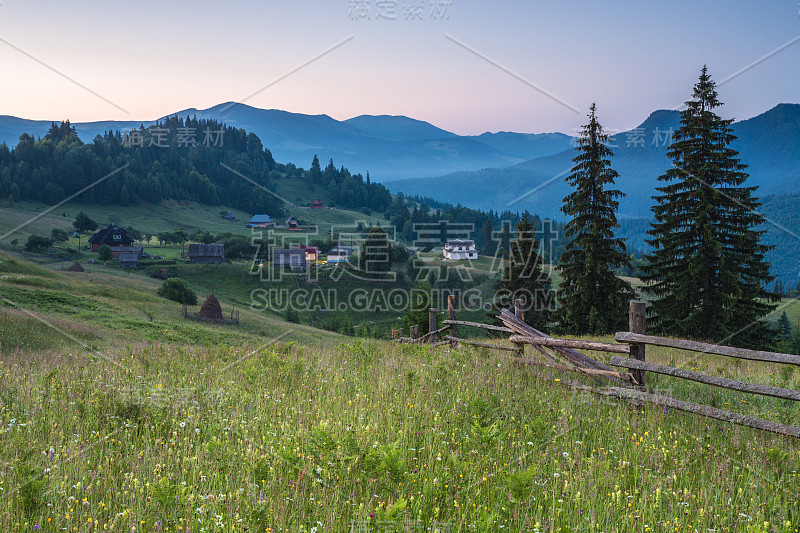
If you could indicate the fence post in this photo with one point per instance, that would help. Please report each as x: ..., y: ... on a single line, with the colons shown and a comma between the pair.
x: 394, y: 334
x: 413, y: 331
x: 520, y: 313
x: 518, y: 309
x: 432, y: 323
x: 451, y: 315
x: 637, y: 316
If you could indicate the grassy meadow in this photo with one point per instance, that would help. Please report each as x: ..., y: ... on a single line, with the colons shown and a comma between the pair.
x: 117, y: 414
x: 362, y: 436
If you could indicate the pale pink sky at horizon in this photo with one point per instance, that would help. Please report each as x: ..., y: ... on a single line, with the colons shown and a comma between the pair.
x: 152, y: 59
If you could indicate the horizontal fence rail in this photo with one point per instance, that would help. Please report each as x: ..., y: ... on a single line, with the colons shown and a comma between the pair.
x: 725, y: 383
x: 711, y: 412
x: 569, y: 343
x: 694, y: 346
x: 558, y: 354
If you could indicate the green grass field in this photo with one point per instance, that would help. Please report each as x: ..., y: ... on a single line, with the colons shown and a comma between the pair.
x: 167, y: 216
x: 362, y: 435
x: 117, y: 414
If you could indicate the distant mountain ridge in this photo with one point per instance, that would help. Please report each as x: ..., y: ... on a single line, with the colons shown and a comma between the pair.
x: 768, y: 143
x: 388, y: 147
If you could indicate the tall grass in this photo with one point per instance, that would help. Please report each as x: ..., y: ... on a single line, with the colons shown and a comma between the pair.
x: 363, y: 436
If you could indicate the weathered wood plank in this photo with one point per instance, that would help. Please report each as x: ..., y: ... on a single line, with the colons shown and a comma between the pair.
x: 570, y: 354
x: 478, y: 325
x: 433, y: 333
x: 570, y: 343
x: 725, y: 383
x: 625, y: 376
x: 432, y: 324
x: 711, y: 412
x: 637, y: 318
x: 694, y: 346
x: 481, y: 344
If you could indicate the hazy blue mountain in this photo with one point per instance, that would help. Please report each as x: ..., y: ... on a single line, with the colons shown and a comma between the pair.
x: 12, y: 127
x: 768, y: 143
x: 398, y: 128
x: 389, y: 147
x: 525, y: 145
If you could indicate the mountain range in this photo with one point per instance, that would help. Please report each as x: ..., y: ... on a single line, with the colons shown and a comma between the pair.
x: 768, y: 143
x: 388, y: 147
x: 507, y: 170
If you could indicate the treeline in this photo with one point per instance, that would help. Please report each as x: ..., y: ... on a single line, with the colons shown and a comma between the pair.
x: 347, y: 190
x: 177, y: 158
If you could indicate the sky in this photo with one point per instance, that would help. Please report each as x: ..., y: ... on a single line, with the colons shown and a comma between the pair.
x: 467, y: 66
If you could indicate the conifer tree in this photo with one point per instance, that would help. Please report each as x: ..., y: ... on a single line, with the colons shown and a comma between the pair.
x: 489, y: 244
x: 592, y: 298
x: 524, y: 277
x: 707, y: 271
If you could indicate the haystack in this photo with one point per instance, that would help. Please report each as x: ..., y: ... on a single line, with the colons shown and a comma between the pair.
x: 211, y: 308
x: 75, y: 267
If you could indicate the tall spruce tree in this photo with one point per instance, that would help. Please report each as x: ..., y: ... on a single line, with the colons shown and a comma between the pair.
x: 592, y: 298
x: 707, y: 271
x: 524, y: 277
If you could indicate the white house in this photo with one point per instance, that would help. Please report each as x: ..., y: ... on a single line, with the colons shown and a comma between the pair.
x: 339, y: 254
x: 459, y: 249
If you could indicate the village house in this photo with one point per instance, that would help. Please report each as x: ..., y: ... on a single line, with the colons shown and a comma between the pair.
x: 339, y: 254
x: 292, y: 224
x: 113, y: 236
x: 294, y: 258
x: 128, y: 259
x: 460, y: 249
x: 229, y: 216
x: 261, y: 221
x: 117, y: 250
x: 207, y: 253
x: 312, y: 254
x: 316, y: 204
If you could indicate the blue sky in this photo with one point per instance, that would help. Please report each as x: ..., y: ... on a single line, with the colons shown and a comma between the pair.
x: 456, y: 64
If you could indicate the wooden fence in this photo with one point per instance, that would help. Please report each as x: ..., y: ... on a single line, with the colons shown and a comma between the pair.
x: 629, y: 384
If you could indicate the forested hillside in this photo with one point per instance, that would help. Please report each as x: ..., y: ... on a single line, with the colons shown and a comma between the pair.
x: 186, y: 159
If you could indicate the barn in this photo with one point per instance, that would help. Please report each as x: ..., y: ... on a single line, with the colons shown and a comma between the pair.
x: 261, y: 221
x: 294, y: 258
x: 207, y: 253
x: 113, y: 236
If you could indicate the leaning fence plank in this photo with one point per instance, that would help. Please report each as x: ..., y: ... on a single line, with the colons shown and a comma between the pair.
x: 694, y: 346
x: 432, y: 333
x: 625, y: 376
x: 481, y: 344
x: 711, y: 412
x: 570, y: 343
x: 725, y: 383
x: 478, y: 325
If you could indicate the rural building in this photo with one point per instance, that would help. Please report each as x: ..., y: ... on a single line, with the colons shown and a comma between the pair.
x: 128, y: 259
x: 458, y: 249
x: 116, y: 250
x: 207, y: 253
x: 229, y: 216
x: 316, y: 204
x: 339, y: 254
x: 292, y: 224
x: 312, y: 254
x: 261, y: 221
x: 113, y: 236
x: 294, y: 258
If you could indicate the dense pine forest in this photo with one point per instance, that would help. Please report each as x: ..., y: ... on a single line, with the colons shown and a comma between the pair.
x: 182, y: 159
